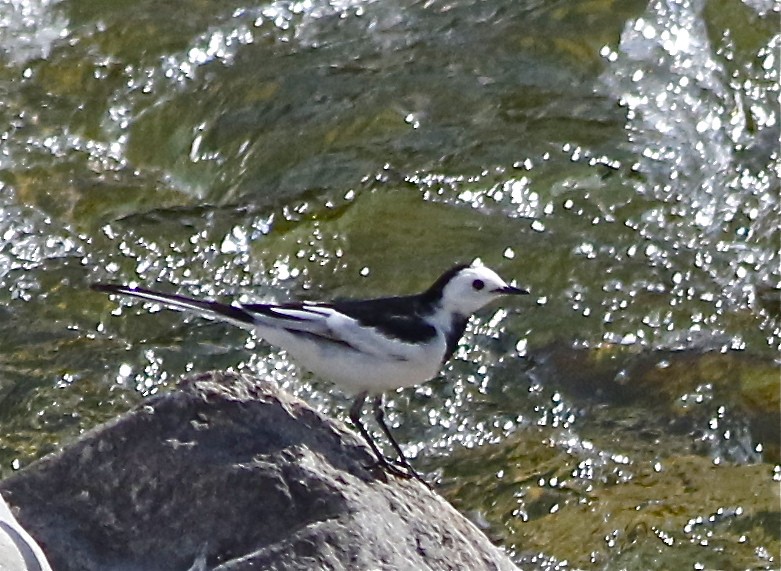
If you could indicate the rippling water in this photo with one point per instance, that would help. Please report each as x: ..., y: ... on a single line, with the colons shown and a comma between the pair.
x: 618, y: 158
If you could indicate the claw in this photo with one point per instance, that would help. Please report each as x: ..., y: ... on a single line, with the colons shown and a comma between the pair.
x: 388, y: 466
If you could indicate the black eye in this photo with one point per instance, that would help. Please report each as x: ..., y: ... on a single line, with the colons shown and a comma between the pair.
x: 478, y: 284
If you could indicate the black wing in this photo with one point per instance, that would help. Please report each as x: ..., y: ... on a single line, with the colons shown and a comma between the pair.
x: 399, y: 317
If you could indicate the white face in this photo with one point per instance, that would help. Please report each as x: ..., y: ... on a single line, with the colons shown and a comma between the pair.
x: 472, y: 288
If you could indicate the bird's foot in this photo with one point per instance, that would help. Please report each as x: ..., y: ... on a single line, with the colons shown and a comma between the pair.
x: 403, y: 471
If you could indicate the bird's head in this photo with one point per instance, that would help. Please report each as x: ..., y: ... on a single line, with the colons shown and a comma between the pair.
x: 465, y: 289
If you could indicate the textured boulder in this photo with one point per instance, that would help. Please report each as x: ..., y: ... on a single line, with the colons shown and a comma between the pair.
x: 230, y: 473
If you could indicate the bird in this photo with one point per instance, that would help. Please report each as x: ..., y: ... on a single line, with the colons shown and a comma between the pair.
x: 366, y: 346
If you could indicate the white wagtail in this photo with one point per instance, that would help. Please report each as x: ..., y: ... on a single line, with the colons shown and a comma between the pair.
x: 366, y: 346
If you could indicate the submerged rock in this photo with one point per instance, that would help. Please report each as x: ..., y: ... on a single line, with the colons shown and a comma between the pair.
x: 231, y: 473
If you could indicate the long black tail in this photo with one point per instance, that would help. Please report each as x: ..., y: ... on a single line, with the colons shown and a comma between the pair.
x: 180, y: 302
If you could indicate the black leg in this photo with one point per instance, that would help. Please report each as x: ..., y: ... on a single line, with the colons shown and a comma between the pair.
x: 355, y: 417
x: 379, y: 415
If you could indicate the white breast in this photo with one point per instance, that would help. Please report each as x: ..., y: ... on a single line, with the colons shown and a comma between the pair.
x: 369, y: 363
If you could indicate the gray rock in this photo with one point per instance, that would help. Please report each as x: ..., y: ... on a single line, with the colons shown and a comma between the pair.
x: 230, y: 473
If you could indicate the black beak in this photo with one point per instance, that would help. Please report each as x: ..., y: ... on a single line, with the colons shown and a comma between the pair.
x: 511, y: 290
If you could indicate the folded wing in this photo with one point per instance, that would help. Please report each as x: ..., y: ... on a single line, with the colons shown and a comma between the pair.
x: 384, y: 327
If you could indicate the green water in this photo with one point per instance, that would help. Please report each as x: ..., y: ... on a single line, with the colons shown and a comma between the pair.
x: 619, y: 159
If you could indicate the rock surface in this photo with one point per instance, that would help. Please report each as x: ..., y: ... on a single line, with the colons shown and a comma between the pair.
x: 230, y: 473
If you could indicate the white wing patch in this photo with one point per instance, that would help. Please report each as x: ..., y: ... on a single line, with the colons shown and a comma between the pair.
x: 304, y: 318
x: 305, y: 313
x: 332, y: 325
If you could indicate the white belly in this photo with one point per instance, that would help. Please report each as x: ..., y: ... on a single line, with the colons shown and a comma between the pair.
x: 357, y: 371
